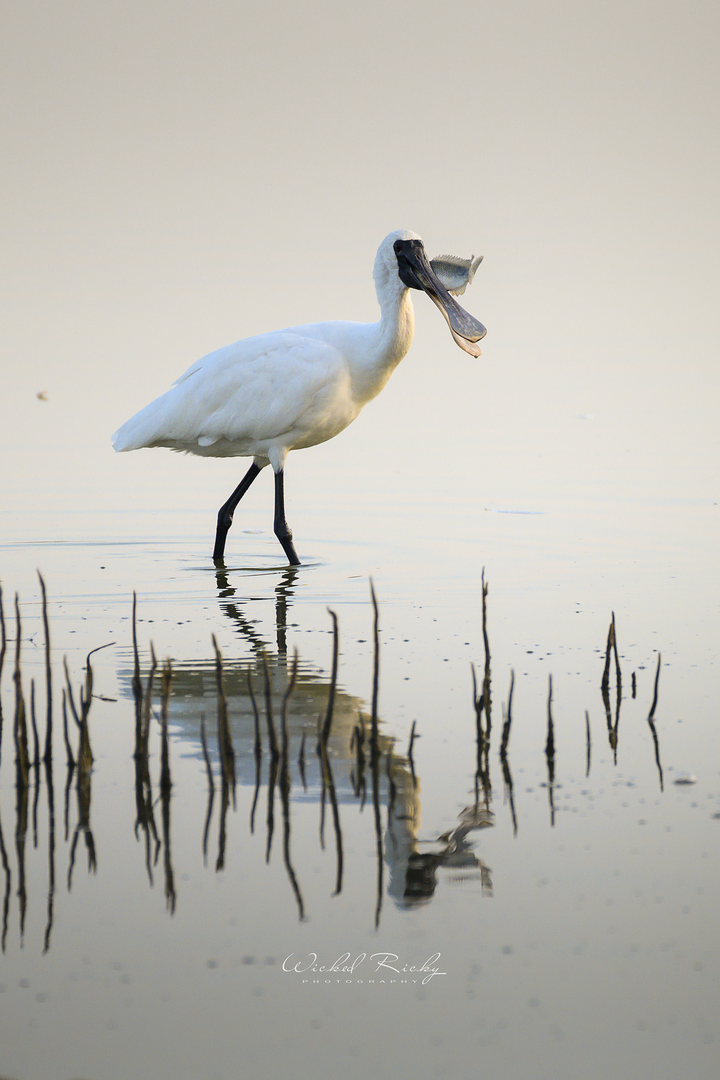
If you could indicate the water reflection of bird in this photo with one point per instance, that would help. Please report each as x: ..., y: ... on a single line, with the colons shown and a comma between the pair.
x: 233, y: 607
x: 293, y: 388
x: 413, y: 862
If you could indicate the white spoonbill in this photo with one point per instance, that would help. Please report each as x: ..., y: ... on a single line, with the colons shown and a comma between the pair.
x: 288, y: 389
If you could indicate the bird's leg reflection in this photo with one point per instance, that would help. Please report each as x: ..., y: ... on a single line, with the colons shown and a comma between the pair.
x: 283, y: 596
x: 223, y: 582
x: 233, y: 611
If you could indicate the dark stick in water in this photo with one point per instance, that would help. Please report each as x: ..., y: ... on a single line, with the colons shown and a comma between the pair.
x: 48, y: 674
x: 411, y: 760
x: 655, y: 691
x: 257, y: 751
x: 374, y: 743
x: 508, y: 718
x: 486, y: 678
x: 211, y: 788
x: 605, y: 684
x: 550, y: 753
x: 225, y: 746
x: 327, y: 724
x: 165, y: 778
x: 651, y: 722
x: 22, y: 760
x: 136, y: 681
x: 274, y: 752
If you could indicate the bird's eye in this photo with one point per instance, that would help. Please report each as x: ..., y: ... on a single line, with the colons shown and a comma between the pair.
x: 397, y: 246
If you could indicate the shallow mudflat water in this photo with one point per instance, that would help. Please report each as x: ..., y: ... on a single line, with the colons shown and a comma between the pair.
x: 552, y: 908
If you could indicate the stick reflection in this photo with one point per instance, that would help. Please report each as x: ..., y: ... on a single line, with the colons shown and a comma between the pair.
x: 301, y: 736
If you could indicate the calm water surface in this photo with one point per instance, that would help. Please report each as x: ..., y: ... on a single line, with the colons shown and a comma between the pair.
x: 548, y: 914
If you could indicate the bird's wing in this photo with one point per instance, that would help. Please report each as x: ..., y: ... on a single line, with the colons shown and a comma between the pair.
x: 264, y: 395
x: 256, y: 389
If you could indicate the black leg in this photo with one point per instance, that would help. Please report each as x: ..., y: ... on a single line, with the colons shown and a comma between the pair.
x: 282, y: 529
x: 225, y: 513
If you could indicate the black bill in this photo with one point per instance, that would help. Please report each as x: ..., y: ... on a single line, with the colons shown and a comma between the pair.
x: 415, y: 272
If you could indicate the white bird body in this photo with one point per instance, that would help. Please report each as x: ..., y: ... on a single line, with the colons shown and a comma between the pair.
x: 289, y: 389
x: 286, y: 390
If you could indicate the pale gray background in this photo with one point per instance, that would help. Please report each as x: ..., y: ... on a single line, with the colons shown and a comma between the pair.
x: 180, y: 175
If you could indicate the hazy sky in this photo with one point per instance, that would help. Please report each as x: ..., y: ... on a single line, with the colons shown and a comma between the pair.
x: 179, y: 175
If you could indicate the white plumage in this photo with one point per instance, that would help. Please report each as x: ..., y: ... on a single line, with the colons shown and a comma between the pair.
x: 260, y: 397
x: 285, y: 390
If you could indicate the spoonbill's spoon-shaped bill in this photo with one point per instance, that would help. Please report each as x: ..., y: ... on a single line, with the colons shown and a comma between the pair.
x: 416, y: 273
x: 282, y: 391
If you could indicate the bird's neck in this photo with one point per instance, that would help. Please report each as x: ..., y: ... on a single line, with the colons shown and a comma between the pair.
x: 390, y: 340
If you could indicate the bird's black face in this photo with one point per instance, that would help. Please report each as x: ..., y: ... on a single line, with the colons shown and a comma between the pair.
x: 408, y: 252
x: 415, y: 272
